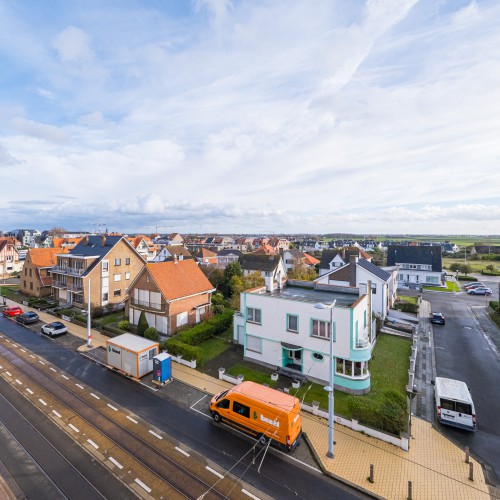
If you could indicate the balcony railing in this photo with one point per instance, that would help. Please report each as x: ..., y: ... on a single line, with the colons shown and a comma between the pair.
x: 68, y: 270
x: 145, y: 304
x: 75, y: 288
x: 362, y: 343
x: 59, y: 284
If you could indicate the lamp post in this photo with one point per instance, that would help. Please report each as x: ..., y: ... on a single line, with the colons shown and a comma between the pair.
x: 331, y: 385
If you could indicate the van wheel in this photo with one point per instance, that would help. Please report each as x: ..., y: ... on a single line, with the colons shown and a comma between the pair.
x: 217, y: 417
x: 263, y: 439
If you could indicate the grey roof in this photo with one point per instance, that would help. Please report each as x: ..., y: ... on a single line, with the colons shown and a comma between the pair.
x: 178, y: 250
x: 251, y: 262
x: 326, y: 257
x: 225, y: 252
x: 430, y: 255
x: 296, y: 254
x: 375, y: 270
x: 91, y: 246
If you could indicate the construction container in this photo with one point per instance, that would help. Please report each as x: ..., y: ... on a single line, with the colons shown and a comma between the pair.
x: 162, y: 368
x: 131, y: 354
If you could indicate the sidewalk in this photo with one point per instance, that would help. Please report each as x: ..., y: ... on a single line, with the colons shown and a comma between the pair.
x: 435, y: 466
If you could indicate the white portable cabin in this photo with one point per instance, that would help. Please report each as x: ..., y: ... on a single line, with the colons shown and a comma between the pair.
x: 454, y: 403
x: 131, y: 354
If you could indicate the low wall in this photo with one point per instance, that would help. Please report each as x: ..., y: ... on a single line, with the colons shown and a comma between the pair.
x: 178, y: 359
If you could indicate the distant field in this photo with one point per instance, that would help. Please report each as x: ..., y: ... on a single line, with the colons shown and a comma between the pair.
x: 476, y: 265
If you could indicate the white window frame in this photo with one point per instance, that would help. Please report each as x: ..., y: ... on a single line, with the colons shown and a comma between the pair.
x: 254, y: 315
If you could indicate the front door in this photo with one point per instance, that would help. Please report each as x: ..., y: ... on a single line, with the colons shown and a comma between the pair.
x: 292, y: 359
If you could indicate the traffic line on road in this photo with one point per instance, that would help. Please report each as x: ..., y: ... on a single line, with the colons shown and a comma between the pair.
x: 8, y: 373
x: 14, y: 345
x: 74, y: 428
x: 7, y: 340
x: 118, y: 464
x: 154, y: 434
x: 112, y: 407
x: 41, y: 362
x: 53, y: 369
x: 19, y: 382
x: 22, y: 349
x: 251, y: 495
x: 94, y: 395
x: 142, y: 485
x: 80, y: 386
x: 132, y: 420
x: 218, y: 474
x: 64, y: 376
x: 56, y: 413
x: 42, y: 401
x: 185, y: 453
x: 31, y: 356
x: 92, y: 444
x: 29, y: 390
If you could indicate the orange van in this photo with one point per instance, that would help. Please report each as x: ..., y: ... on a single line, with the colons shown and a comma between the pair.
x: 260, y: 411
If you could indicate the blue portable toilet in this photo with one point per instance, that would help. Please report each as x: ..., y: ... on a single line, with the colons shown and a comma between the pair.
x: 162, y: 368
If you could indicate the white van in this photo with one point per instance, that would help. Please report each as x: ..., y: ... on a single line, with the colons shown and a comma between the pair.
x: 454, y: 403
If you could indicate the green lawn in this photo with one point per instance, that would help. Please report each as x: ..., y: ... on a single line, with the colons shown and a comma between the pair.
x: 110, y: 318
x: 411, y: 300
x: 451, y: 286
x: 249, y: 374
x: 212, y: 348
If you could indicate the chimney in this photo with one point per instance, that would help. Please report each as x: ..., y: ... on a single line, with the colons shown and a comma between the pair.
x: 103, y: 240
x: 353, y: 260
x: 269, y: 283
x: 86, y: 240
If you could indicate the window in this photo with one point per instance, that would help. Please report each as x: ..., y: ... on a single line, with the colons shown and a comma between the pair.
x: 447, y: 404
x: 127, y: 276
x: 127, y: 261
x: 117, y: 277
x: 105, y: 297
x: 240, y: 409
x: 31, y: 273
x: 78, y: 299
x: 31, y: 286
x: 464, y: 408
x: 353, y: 369
x: 292, y: 323
x: 254, y: 344
x: 105, y: 266
x: 117, y: 293
x: 318, y: 356
x: 224, y: 404
x: 118, y: 262
x: 321, y: 329
x: 182, y: 318
x: 24, y: 283
x: 254, y: 315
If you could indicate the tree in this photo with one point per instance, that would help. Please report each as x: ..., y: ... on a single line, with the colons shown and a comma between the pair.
x: 456, y: 267
x: 232, y: 269
x: 378, y: 257
x: 214, y: 275
x: 151, y: 333
x: 302, y: 272
x: 142, y: 325
x: 490, y: 268
x: 252, y: 280
x: 466, y: 269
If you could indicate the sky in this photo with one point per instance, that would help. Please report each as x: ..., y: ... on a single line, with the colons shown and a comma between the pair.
x: 259, y: 116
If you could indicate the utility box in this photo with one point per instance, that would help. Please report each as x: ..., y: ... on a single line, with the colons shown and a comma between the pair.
x: 162, y: 368
x: 131, y: 354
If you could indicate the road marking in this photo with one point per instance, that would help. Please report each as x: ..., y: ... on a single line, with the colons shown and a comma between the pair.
x: 22, y: 349
x: 246, y: 492
x: 7, y: 340
x: 92, y: 443
x: 118, y: 464
x: 41, y: 362
x: 74, y: 428
x: 57, y: 414
x: 182, y: 451
x: 132, y: 420
x: 64, y: 376
x: 53, y: 369
x: 218, y: 474
x: 19, y: 382
x: 112, y: 407
x: 201, y: 399
x: 142, y: 485
x: 42, y: 401
x: 14, y: 345
x: 80, y: 386
x: 154, y: 434
x: 94, y: 395
x: 29, y: 390
x: 31, y: 355
x: 8, y: 373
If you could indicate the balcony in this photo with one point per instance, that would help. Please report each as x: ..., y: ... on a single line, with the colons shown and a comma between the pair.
x: 59, y: 284
x: 147, y: 305
x: 74, y: 271
x: 75, y: 288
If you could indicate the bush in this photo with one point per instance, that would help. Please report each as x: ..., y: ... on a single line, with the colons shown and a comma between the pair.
x: 142, y: 325
x: 177, y: 348
x: 197, y: 334
x: 151, y: 333
x: 124, y: 325
x: 96, y: 311
x: 112, y: 330
x: 222, y: 322
x: 406, y: 307
x: 494, y: 305
x: 467, y: 278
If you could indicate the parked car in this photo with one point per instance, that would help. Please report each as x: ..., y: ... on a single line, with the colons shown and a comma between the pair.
x: 473, y: 285
x: 480, y: 290
x: 12, y: 311
x: 437, y: 318
x: 54, y: 329
x: 28, y: 318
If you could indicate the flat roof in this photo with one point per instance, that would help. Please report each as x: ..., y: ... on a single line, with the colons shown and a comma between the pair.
x: 452, y: 389
x: 132, y: 342
x: 315, y: 296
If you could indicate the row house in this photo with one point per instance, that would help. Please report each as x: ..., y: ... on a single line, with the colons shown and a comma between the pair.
x: 225, y: 257
x: 171, y: 295
x: 144, y: 246
x: 205, y: 257
x: 269, y: 266
x: 279, y: 244
x: 294, y: 258
x: 29, y: 237
x: 109, y: 263
x: 36, y: 276
x: 288, y: 329
x: 9, y: 257
x: 265, y: 250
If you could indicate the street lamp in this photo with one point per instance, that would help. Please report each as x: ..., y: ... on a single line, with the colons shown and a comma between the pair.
x: 331, y: 385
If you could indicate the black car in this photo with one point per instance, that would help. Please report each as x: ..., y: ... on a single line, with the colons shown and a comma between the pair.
x: 28, y: 318
x: 437, y: 318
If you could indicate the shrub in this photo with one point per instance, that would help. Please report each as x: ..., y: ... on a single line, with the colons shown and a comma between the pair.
x: 197, y: 334
x: 96, y: 311
x: 222, y: 322
x: 111, y: 331
x: 407, y: 307
x: 142, y: 325
x: 177, y: 348
x: 494, y: 305
x: 124, y: 325
x: 151, y: 333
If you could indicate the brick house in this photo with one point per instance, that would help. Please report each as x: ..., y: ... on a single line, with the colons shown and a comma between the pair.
x: 36, y: 277
x: 110, y: 263
x: 171, y: 294
x: 9, y: 257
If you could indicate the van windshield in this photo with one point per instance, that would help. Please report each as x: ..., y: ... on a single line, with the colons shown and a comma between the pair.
x: 221, y: 395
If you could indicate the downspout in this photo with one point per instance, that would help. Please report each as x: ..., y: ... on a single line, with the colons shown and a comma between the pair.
x: 369, y: 294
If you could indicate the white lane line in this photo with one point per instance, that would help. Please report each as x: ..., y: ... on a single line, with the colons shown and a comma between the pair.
x: 14, y: 345
x: 41, y: 362
x: 74, y: 428
x: 8, y: 373
x: 22, y: 349
x: 1, y: 367
x: 92, y: 443
x: 94, y: 395
x: 218, y: 474
x: 142, y: 485
x: 246, y: 492
x: 132, y: 420
x: 80, y: 386
x: 19, y: 382
x: 31, y: 356
x: 53, y: 369
x: 29, y: 390
x: 185, y: 453
x: 118, y: 464
x: 64, y: 376
x: 7, y: 340
x: 42, y: 401
x: 201, y: 399
x: 56, y: 413
x: 154, y: 434
x: 112, y: 407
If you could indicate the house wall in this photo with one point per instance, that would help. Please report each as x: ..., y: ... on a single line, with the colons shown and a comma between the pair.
x: 30, y: 282
x: 407, y: 276
x: 9, y: 260
x: 380, y: 297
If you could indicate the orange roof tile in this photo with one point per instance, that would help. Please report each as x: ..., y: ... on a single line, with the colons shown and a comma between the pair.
x: 45, y: 257
x: 310, y: 260
x: 179, y: 279
x: 265, y: 250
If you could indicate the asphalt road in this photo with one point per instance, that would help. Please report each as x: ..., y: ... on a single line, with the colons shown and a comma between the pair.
x: 466, y: 349
x: 279, y: 477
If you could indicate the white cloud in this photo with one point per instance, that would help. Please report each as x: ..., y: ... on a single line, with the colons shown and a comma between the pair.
x: 73, y: 44
x: 40, y: 130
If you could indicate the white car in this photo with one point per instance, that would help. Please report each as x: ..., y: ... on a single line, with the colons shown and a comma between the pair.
x: 53, y: 329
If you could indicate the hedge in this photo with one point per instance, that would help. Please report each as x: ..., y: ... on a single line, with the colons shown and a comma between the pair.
x: 407, y: 307
x: 177, y: 348
x: 222, y: 322
x: 467, y: 278
x: 112, y: 329
x: 494, y: 304
x: 197, y: 334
